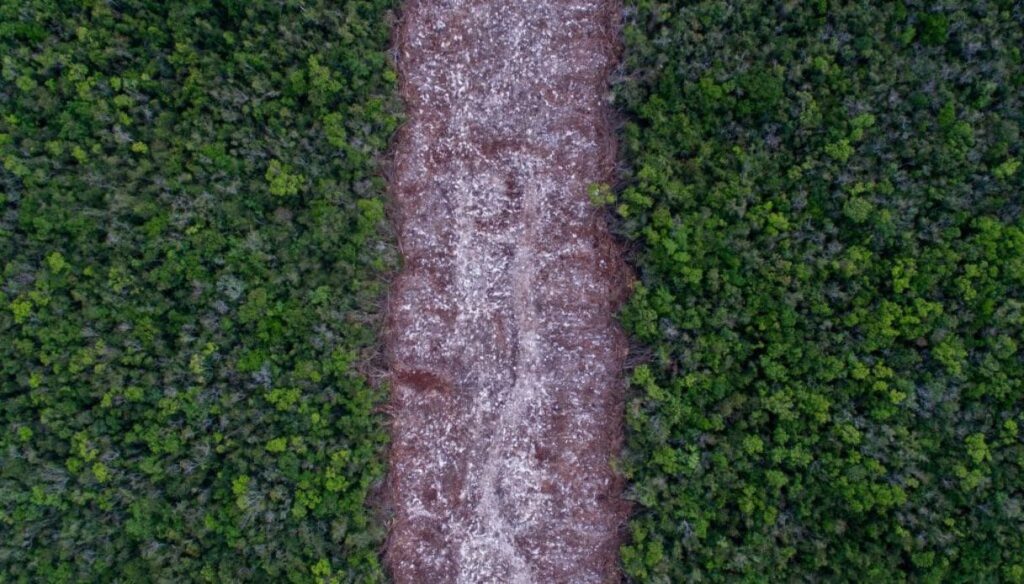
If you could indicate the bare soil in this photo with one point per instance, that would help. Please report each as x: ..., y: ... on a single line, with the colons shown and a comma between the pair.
x: 506, y: 360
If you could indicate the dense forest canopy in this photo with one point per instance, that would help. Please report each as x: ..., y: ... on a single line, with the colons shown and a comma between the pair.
x: 825, y: 203
x: 191, y: 248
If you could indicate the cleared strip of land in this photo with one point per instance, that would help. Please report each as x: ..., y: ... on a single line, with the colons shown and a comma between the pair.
x: 505, y: 356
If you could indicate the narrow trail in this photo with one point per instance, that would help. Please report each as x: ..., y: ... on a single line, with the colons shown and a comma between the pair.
x: 504, y: 352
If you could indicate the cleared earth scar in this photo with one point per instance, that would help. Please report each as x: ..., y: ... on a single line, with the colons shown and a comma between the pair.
x: 505, y: 355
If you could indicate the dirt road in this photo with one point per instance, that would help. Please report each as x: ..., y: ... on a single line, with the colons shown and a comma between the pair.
x: 505, y: 356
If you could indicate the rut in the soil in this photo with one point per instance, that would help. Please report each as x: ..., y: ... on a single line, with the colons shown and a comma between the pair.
x: 504, y: 352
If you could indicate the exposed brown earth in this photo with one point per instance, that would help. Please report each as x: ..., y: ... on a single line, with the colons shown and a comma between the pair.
x: 505, y: 355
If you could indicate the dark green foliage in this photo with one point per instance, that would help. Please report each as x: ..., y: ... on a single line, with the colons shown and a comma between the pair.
x: 826, y: 203
x: 191, y: 251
